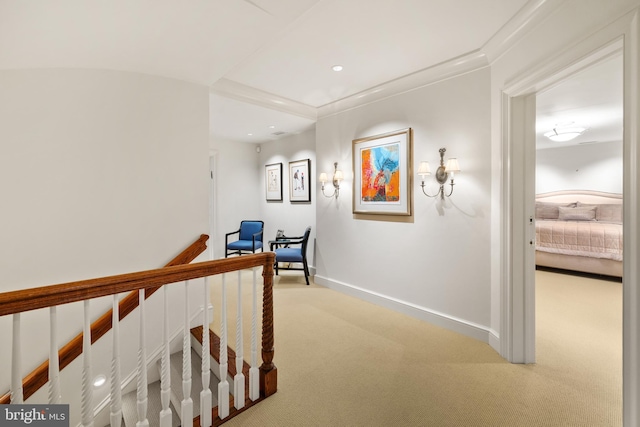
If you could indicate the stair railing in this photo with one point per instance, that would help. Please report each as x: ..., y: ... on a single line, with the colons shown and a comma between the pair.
x: 73, y: 349
x: 17, y: 302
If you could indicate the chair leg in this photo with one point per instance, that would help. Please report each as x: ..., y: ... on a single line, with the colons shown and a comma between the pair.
x: 306, y: 271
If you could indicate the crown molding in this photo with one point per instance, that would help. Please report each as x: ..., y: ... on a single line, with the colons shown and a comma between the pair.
x: 531, y: 14
x: 460, y: 65
x: 244, y: 93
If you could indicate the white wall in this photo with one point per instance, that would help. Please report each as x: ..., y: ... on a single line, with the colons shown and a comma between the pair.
x: 595, y: 167
x: 293, y: 218
x: 435, y: 263
x: 102, y: 173
x: 238, y: 187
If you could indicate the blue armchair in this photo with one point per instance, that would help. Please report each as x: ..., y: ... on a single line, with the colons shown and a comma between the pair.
x: 292, y: 255
x: 249, y: 239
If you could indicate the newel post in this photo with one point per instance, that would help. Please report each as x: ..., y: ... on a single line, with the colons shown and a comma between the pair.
x: 268, y: 371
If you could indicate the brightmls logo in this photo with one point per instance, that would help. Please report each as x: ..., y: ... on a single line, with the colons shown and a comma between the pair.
x: 34, y: 415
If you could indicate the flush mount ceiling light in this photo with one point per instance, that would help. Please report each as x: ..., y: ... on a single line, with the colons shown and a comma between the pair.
x: 564, y: 134
x: 337, y: 68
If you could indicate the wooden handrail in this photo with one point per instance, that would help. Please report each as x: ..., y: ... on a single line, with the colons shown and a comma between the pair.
x: 49, y: 296
x: 73, y: 349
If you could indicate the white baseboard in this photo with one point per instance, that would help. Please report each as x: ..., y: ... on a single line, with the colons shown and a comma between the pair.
x: 494, y: 340
x: 452, y: 323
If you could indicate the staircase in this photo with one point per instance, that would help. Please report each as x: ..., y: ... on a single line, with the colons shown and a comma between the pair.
x: 129, y: 400
x: 129, y: 408
x: 252, y: 384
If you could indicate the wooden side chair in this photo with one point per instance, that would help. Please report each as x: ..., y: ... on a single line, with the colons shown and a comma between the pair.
x: 292, y: 250
x: 249, y: 239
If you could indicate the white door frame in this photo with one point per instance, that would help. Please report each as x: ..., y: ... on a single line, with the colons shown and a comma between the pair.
x: 517, y: 337
x: 213, y: 203
x: 518, y: 286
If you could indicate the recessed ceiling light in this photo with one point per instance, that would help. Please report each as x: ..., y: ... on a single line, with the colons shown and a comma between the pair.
x: 249, y: 134
x: 99, y: 381
x: 272, y: 127
x: 337, y: 68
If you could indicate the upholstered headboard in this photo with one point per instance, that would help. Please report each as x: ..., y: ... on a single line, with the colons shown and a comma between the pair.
x: 587, y: 197
x: 580, y: 205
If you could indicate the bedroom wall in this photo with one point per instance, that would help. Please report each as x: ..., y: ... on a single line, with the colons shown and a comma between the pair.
x: 434, y: 264
x: 102, y: 172
x: 293, y: 218
x: 595, y: 167
x: 237, y: 183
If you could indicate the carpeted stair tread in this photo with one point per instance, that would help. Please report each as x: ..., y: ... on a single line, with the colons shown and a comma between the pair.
x: 196, y: 380
x: 130, y: 413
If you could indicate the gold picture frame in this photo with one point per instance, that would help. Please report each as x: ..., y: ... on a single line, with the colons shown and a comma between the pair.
x: 382, y: 167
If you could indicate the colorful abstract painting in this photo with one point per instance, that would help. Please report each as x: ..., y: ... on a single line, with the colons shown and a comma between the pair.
x: 381, y: 174
x: 382, y: 167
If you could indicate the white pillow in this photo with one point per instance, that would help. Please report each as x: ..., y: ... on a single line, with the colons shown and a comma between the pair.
x: 582, y: 213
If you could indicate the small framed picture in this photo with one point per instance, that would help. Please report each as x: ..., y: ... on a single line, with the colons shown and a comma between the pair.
x: 299, y: 183
x: 273, y: 182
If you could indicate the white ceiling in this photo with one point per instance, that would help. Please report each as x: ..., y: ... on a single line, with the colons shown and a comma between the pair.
x: 591, y: 99
x: 375, y: 40
x: 278, y: 51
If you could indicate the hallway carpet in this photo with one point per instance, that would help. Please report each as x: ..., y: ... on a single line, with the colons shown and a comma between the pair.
x: 345, y: 362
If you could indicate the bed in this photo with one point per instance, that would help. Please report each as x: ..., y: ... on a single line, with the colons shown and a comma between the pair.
x: 580, y: 231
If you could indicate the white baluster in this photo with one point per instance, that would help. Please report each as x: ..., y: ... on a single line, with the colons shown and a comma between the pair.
x: 238, y: 380
x: 142, y: 392
x: 54, y: 361
x: 186, y: 410
x: 87, y: 387
x: 206, y: 399
x: 165, y: 375
x: 223, y: 385
x: 16, y: 365
x: 254, y: 372
x: 116, y: 388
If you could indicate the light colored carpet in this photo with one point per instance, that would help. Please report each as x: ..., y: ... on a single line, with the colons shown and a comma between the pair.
x: 345, y: 362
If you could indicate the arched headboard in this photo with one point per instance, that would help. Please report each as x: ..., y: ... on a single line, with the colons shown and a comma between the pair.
x: 583, y: 196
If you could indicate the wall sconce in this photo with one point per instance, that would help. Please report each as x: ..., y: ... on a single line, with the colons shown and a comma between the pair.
x: 442, y: 174
x: 337, y: 177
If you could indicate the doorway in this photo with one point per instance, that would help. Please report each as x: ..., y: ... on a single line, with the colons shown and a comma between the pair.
x: 519, y: 205
x: 518, y: 193
x: 579, y: 151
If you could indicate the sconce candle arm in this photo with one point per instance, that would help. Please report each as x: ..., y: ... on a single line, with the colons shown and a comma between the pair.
x: 440, y: 192
x: 335, y: 193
